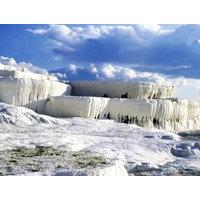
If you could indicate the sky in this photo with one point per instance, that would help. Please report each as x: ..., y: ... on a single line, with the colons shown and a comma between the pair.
x: 151, y: 52
x: 170, y: 49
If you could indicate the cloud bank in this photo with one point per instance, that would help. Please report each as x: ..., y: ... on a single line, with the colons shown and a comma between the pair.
x: 106, y: 72
x: 153, y: 46
x: 10, y: 63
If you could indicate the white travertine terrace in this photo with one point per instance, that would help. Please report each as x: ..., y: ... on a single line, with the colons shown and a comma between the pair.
x: 70, y: 106
x: 25, y: 88
x: 169, y: 114
x: 145, y: 104
x: 12, y: 72
x: 118, y: 89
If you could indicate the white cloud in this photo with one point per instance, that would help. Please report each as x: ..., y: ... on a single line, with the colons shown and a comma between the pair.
x: 63, y: 33
x: 182, y: 67
x: 109, y: 71
x: 7, y: 61
x: 10, y: 63
x: 37, y: 31
x: 155, y: 28
x: 58, y: 58
x: 125, y: 41
x: 112, y: 72
x: 60, y: 75
x: 94, y: 69
x: 187, y: 88
x: 155, y: 45
x: 73, y: 68
x: 119, y: 72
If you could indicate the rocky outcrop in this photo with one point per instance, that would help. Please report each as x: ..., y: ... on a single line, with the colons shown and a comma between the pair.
x: 141, y: 103
x: 29, y: 89
x: 119, y: 89
x: 169, y: 114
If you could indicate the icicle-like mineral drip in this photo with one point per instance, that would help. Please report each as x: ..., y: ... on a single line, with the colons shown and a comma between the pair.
x: 166, y: 114
x: 29, y: 92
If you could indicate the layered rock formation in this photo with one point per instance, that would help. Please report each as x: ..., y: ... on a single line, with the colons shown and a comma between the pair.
x: 24, y: 88
x: 119, y: 89
x: 145, y: 104
x: 169, y: 114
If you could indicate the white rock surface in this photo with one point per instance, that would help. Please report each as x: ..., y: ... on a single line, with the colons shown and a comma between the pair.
x: 24, y: 88
x: 145, y: 104
x: 169, y: 114
x: 12, y: 72
x: 116, y: 170
x: 126, y: 143
x: 137, y: 148
x: 113, y: 89
x: 70, y: 106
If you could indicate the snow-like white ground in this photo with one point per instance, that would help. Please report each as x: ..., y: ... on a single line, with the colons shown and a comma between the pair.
x: 22, y: 127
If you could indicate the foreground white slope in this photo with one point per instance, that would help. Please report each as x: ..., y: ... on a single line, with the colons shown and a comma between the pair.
x: 131, y: 145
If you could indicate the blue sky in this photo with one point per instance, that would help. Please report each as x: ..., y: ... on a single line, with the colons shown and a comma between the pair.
x: 168, y: 49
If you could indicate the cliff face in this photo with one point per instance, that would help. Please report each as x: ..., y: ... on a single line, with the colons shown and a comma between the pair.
x: 70, y: 106
x: 29, y: 89
x: 167, y: 114
x: 112, y: 89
